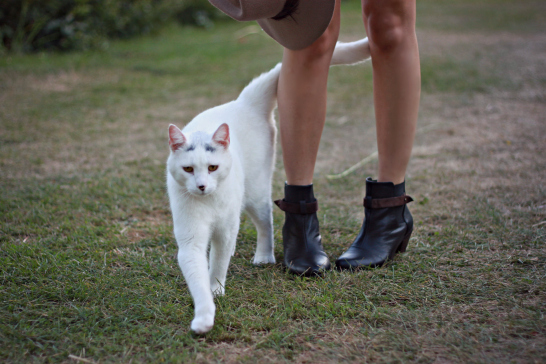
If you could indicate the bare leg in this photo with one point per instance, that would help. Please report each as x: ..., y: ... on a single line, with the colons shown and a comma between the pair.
x: 390, y: 25
x: 302, y: 103
x: 302, y: 108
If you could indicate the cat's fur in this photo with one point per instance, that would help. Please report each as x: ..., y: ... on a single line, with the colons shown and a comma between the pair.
x: 220, y: 164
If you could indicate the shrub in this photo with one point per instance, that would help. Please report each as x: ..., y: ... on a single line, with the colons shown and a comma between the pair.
x: 32, y: 25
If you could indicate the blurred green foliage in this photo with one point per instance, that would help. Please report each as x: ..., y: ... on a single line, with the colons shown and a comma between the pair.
x: 36, y: 25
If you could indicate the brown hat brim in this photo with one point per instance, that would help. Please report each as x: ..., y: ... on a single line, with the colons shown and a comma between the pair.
x: 302, y: 27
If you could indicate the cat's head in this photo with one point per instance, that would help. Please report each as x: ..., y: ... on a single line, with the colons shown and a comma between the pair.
x: 199, y: 161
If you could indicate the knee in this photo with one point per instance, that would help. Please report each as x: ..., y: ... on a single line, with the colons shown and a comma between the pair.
x: 388, y: 22
x: 321, y: 50
x: 324, y: 45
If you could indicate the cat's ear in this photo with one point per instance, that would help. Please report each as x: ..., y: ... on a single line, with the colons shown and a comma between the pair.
x: 176, y: 138
x: 221, y: 136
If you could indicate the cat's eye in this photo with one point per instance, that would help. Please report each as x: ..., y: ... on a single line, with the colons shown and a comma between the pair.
x: 188, y: 169
x: 213, y: 168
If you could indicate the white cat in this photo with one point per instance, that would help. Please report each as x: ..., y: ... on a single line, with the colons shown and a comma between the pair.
x: 220, y: 164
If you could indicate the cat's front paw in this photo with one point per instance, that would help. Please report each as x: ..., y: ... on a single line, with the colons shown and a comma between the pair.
x: 264, y: 259
x: 202, y: 324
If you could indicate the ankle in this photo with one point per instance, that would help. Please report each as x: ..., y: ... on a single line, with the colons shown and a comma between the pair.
x: 297, y: 193
x: 380, y: 189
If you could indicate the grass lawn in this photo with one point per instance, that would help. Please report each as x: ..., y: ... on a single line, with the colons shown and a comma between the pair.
x: 87, y: 256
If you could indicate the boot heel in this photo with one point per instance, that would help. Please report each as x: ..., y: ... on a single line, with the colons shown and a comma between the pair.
x: 404, y: 244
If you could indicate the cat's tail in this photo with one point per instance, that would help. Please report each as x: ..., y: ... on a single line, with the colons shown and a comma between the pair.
x: 262, y: 91
x: 351, y: 53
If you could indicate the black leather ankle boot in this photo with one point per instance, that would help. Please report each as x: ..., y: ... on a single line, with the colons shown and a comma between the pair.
x: 386, y: 229
x: 303, y: 253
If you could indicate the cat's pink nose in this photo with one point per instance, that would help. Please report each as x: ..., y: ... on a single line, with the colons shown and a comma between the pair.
x: 202, y: 188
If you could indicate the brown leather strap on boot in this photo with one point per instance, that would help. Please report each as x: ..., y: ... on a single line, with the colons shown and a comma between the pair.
x: 297, y: 207
x: 381, y: 203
